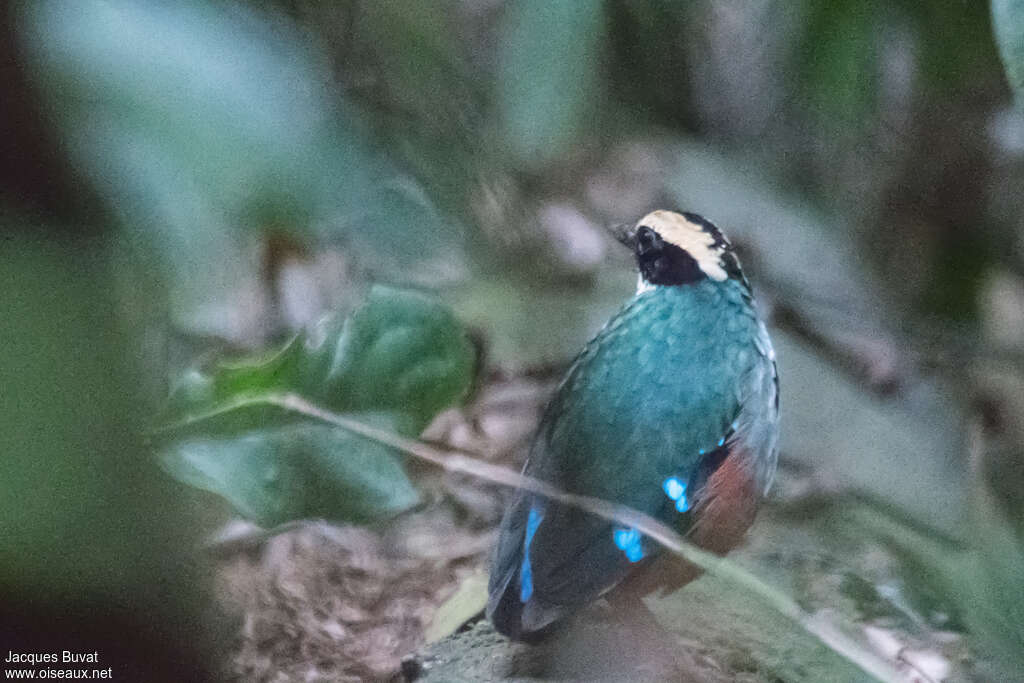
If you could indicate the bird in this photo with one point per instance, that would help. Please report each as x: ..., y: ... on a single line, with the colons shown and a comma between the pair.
x: 672, y: 409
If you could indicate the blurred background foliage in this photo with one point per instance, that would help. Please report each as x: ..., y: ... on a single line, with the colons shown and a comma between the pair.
x: 185, y: 180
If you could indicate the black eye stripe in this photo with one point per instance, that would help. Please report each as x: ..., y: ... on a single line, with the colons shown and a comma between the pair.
x: 667, y: 264
x: 663, y: 262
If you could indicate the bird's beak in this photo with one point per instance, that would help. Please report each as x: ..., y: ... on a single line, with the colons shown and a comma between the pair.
x: 625, y: 234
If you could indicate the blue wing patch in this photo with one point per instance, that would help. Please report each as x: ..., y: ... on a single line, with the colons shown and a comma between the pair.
x: 628, y: 541
x: 675, y: 488
x: 526, y: 574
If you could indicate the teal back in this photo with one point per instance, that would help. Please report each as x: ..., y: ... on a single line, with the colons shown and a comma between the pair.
x: 659, y: 386
x: 637, y: 420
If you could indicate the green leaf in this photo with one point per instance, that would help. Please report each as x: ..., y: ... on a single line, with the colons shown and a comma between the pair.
x: 400, y: 352
x: 224, y: 128
x: 304, y: 470
x: 979, y: 578
x: 396, y: 362
x: 548, y: 75
x: 988, y: 586
x: 420, y: 65
x: 94, y: 544
x: 401, y: 235
x: 1008, y: 24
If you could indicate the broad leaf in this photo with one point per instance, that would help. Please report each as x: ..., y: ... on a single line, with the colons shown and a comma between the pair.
x: 301, y: 470
x: 226, y: 127
x: 396, y: 362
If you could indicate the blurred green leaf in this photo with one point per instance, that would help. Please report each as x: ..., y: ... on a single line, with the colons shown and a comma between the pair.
x: 979, y: 579
x: 94, y: 545
x: 1008, y: 24
x: 226, y: 127
x: 651, y: 64
x: 988, y: 586
x: 397, y: 361
x: 401, y: 235
x: 222, y: 123
x: 67, y: 427
x: 924, y: 556
x: 548, y: 79
x: 416, y: 53
x: 228, y: 99
x: 842, y: 55
x: 305, y: 470
x: 957, y: 47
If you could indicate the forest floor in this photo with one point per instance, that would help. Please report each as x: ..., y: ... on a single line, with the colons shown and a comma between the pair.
x: 335, y: 603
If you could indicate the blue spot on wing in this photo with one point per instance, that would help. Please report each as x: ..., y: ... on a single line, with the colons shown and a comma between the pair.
x: 675, y: 489
x: 526, y: 572
x: 628, y: 541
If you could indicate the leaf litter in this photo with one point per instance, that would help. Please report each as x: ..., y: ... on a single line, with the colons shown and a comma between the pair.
x: 325, y: 602
x: 322, y: 602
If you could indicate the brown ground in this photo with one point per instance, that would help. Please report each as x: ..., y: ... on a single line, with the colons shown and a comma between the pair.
x: 341, y: 603
x: 332, y: 603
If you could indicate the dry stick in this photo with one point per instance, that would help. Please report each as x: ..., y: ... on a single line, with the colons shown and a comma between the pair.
x: 645, y: 524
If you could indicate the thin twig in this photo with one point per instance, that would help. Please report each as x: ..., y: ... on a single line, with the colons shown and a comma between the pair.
x: 253, y: 537
x: 453, y: 461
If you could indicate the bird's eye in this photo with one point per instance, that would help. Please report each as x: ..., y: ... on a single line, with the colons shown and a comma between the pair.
x: 646, y: 240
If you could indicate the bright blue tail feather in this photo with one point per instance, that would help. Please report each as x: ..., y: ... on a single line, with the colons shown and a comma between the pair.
x: 526, y: 574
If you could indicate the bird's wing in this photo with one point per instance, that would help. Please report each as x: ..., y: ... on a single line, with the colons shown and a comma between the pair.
x: 731, y: 481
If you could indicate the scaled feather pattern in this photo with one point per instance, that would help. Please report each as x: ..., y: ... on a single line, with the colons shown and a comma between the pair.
x: 681, y: 379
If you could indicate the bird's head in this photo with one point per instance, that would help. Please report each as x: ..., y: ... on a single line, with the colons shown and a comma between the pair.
x: 680, y: 248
